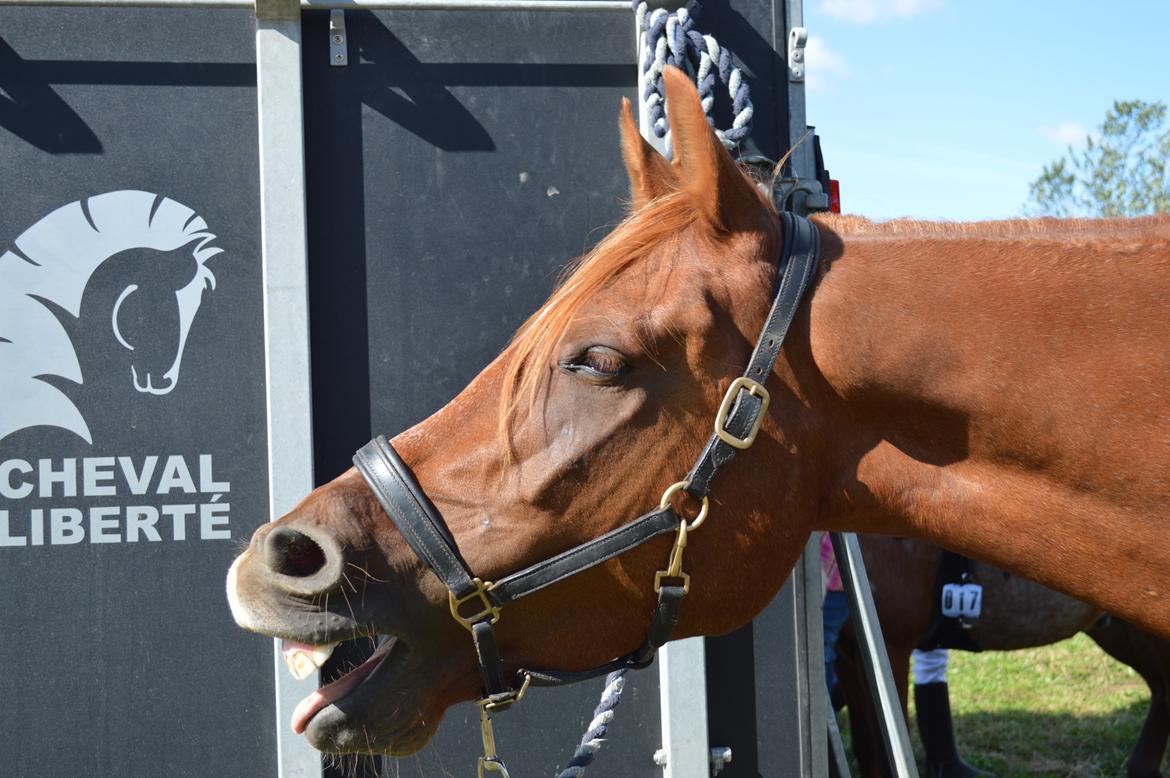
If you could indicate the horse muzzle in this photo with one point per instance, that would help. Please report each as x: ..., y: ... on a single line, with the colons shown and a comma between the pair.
x: 314, y: 586
x: 283, y: 584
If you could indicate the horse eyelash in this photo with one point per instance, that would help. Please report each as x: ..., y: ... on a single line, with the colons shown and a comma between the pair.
x: 577, y: 364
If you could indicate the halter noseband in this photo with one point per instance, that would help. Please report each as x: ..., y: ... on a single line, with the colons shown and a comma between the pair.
x: 476, y: 604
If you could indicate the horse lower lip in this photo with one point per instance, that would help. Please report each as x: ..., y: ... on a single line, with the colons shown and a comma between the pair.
x: 325, y: 696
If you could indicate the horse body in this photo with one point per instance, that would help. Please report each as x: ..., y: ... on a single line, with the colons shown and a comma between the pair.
x: 1005, y: 381
x: 1017, y: 613
x: 973, y: 389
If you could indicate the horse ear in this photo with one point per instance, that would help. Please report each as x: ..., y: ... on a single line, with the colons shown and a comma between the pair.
x: 717, y: 188
x: 650, y: 174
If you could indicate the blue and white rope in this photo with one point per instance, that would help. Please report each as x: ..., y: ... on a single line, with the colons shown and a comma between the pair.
x: 595, y: 733
x: 671, y: 39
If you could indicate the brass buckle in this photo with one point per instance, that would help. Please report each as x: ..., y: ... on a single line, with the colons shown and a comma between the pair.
x: 754, y: 388
x: 481, y: 590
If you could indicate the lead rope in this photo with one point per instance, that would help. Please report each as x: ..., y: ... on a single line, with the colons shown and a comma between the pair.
x: 615, y: 682
x: 595, y: 734
x: 671, y: 39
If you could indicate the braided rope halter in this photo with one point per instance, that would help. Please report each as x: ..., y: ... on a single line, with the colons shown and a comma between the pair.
x: 670, y: 38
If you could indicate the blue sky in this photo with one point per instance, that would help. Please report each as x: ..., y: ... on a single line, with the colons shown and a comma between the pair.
x: 948, y: 109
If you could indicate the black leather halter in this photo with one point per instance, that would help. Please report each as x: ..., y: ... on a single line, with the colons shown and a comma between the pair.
x: 476, y: 604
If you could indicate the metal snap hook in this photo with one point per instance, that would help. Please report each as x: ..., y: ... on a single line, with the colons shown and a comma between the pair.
x: 490, y: 762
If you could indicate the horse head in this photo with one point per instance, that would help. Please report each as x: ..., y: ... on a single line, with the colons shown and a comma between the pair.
x: 153, y: 317
x: 605, y: 397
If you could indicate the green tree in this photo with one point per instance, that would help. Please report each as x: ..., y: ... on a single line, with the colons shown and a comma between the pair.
x: 1122, y: 171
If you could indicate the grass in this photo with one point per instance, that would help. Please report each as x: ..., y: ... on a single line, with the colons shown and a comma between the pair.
x: 1067, y: 709
x: 1063, y: 710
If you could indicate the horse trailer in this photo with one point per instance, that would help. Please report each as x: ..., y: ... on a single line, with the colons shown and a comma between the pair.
x: 240, y: 239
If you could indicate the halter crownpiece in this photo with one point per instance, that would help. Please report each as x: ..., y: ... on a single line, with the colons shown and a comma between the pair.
x: 477, y: 604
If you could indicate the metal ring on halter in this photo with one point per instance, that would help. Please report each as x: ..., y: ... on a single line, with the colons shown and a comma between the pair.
x: 674, y: 489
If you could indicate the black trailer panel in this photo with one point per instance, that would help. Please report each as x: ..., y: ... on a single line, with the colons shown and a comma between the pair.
x: 128, y: 141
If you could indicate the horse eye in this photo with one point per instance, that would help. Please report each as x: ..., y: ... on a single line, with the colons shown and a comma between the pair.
x: 598, y: 362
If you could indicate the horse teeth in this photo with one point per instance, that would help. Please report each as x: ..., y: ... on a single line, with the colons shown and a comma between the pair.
x: 303, y: 659
x: 300, y: 665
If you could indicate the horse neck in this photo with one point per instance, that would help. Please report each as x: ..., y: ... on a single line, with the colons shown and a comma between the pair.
x: 980, y: 389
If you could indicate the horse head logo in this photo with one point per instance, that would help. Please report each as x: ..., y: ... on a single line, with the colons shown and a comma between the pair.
x: 50, y: 265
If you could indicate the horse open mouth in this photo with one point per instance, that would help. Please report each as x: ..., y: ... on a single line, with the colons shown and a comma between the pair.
x: 387, y: 704
x: 303, y: 658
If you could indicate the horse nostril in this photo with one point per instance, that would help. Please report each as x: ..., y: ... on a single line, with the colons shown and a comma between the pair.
x: 292, y: 553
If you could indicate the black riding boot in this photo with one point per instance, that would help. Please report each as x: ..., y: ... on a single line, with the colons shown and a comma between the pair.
x: 938, y: 734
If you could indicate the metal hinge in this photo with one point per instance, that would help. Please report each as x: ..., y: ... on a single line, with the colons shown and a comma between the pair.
x: 338, y: 50
x: 797, y: 39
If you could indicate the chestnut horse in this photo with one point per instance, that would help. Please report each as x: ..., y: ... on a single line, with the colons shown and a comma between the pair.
x: 1017, y: 613
x: 960, y: 383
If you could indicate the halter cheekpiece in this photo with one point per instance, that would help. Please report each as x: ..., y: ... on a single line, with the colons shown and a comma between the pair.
x: 476, y: 604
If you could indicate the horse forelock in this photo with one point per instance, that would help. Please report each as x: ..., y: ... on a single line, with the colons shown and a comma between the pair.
x: 643, y: 233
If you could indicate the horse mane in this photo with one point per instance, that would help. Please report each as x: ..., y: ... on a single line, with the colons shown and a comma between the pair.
x: 657, y: 223
x: 1047, y: 228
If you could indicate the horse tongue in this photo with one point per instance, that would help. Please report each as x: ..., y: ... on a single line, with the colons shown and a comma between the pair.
x: 309, y: 707
x: 304, y: 658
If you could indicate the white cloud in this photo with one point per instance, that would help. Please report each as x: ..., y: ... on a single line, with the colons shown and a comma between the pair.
x: 870, y: 11
x: 823, y: 65
x: 1065, y: 134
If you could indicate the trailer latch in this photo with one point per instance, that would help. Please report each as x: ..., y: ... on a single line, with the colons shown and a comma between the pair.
x: 797, y: 39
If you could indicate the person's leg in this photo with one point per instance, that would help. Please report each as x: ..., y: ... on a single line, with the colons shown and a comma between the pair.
x: 933, y: 703
x: 835, y: 610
